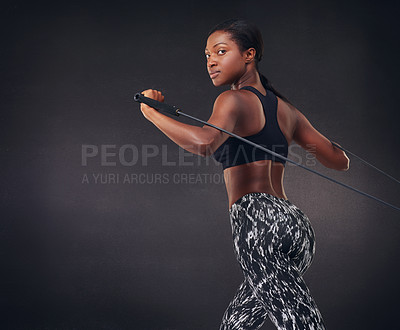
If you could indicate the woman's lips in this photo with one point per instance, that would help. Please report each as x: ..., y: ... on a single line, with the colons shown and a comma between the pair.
x: 213, y: 75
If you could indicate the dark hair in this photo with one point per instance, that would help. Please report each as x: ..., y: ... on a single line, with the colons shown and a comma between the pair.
x: 247, y: 35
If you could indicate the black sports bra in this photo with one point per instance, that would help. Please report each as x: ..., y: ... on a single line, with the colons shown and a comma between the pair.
x: 234, y: 152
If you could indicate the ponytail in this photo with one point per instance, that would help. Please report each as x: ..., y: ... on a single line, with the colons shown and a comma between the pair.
x: 268, y: 85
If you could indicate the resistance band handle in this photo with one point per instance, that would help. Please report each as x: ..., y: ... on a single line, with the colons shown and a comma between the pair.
x: 171, y: 109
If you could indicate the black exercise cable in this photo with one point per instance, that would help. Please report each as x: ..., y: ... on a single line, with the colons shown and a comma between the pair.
x: 364, y: 161
x: 161, y: 106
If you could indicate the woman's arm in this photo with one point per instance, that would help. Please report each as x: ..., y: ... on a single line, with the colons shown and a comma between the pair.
x: 313, y: 141
x: 204, y: 140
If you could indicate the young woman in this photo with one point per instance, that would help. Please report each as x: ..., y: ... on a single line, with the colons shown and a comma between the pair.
x: 273, y: 239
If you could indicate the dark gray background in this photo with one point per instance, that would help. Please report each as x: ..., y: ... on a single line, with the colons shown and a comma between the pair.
x: 159, y: 255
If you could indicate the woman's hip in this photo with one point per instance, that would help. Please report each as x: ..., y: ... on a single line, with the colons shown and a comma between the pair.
x: 264, y: 220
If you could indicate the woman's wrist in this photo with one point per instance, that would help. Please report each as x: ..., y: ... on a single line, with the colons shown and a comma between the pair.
x: 148, y: 112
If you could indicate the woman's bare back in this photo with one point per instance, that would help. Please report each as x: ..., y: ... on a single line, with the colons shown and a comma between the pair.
x: 267, y: 175
x: 262, y: 175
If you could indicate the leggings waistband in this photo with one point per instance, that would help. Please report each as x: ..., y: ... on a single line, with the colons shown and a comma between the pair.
x: 263, y: 194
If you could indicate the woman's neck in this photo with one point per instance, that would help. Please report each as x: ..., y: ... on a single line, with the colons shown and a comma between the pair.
x: 249, y: 78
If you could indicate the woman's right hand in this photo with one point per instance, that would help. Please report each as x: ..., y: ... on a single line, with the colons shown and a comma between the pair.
x: 152, y: 94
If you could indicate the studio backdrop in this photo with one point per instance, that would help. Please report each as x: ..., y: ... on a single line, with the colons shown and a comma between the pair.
x: 108, y: 224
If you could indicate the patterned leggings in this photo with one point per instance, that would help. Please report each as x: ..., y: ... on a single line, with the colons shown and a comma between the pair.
x: 274, y: 244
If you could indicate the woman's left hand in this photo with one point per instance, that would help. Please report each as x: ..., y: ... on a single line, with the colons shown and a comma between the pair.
x: 153, y: 94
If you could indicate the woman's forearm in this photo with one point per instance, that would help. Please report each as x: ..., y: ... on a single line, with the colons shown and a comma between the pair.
x: 338, y: 161
x: 194, y: 139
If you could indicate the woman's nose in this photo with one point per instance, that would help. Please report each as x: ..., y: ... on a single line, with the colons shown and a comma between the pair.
x: 211, y: 62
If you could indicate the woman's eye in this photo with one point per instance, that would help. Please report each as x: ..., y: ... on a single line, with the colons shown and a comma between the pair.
x: 220, y: 52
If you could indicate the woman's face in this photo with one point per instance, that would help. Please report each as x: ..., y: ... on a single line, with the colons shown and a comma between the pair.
x: 225, y: 62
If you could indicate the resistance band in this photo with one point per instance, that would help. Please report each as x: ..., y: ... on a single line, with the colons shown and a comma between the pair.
x: 173, y: 110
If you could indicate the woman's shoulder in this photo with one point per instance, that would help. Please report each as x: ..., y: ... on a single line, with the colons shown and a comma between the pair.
x: 238, y: 99
x: 232, y: 99
x: 230, y: 94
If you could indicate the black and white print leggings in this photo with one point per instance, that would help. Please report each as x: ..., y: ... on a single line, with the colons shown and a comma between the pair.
x: 274, y: 244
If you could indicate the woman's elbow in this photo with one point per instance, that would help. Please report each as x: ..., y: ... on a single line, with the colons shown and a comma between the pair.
x: 345, y: 164
x: 342, y: 164
x: 338, y: 163
x: 206, y: 148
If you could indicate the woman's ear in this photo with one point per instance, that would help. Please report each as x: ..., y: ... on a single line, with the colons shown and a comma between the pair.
x: 250, y: 55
